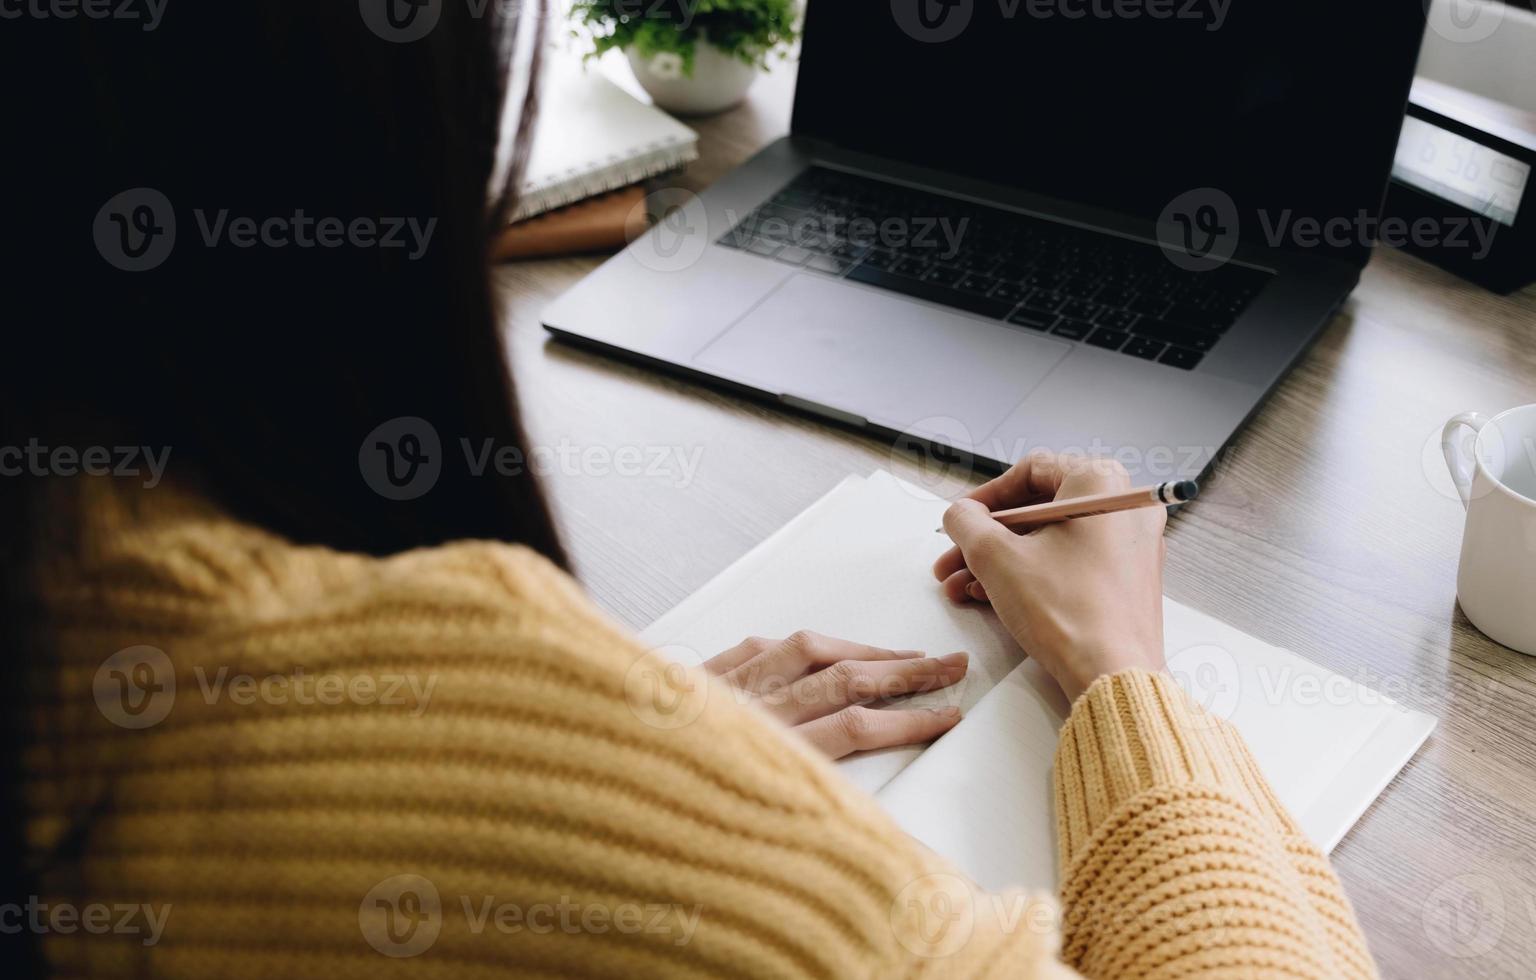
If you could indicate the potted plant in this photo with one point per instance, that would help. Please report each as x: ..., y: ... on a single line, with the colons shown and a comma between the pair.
x: 694, y: 57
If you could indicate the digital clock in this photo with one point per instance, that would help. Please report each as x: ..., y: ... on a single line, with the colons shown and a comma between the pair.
x: 1462, y: 186
x: 1461, y: 170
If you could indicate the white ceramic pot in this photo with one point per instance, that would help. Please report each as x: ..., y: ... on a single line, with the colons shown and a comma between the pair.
x: 718, y: 82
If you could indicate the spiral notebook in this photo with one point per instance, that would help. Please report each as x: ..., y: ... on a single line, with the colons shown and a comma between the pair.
x: 856, y: 565
x: 592, y: 136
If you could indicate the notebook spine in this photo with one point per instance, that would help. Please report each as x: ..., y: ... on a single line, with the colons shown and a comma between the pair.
x: 631, y: 167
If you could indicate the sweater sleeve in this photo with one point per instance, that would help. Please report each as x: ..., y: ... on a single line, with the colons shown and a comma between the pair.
x: 1176, y: 858
x: 503, y: 784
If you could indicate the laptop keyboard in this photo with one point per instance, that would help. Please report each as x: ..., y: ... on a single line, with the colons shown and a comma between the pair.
x: 1035, y: 274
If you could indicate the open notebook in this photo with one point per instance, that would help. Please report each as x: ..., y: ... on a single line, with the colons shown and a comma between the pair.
x: 856, y: 565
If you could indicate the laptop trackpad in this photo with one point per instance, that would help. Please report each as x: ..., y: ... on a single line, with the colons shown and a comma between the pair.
x: 895, y: 362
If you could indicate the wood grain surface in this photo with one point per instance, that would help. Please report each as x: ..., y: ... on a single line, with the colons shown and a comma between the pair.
x: 1329, y: 528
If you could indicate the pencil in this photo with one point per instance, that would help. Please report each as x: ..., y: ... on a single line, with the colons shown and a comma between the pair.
x: 1160, y: 495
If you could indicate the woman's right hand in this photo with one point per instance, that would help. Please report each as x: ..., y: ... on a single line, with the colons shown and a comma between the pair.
x: 1082, y: 597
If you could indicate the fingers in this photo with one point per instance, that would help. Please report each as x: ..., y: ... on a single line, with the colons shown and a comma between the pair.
x: 948, y: 564
x: 858, y: 729
x: 1039, y: 477
x: 954, y: 585
x: 962, y: 587
x: 982, y: 540
x: 854, y: 682
x: 1043, y: 476
x: 737, y: 655
x: 784, y: 661
x: 1091, y: 476
x: 1032, y: 480
x: 1082, y: 476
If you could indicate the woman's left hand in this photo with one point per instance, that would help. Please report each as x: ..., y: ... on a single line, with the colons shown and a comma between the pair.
x: 818, y: 685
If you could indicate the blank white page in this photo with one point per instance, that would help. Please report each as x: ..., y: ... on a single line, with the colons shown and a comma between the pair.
x: 981, y: 796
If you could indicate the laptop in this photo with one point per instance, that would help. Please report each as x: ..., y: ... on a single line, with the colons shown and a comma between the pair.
x: 1001, y: 225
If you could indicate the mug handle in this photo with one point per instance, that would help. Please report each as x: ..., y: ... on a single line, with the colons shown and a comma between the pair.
x: 1456, y: 458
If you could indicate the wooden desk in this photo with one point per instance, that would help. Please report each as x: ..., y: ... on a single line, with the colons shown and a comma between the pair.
x: 1331, y: 530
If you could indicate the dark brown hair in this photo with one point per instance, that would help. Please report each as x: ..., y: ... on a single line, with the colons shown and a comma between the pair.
x: 263, y: 368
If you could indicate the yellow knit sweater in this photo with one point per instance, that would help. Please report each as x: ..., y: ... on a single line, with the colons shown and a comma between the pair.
x: 259, y: 760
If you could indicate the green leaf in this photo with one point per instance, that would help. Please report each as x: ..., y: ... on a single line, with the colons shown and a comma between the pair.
x: 749, y: 30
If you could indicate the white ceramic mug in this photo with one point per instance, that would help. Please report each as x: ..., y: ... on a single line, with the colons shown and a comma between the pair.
x: 1493, y: 464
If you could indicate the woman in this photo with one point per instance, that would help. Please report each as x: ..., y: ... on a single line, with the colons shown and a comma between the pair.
x: 271, y: 721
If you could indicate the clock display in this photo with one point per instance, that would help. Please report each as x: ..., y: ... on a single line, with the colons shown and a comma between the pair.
x: 1460, y: 170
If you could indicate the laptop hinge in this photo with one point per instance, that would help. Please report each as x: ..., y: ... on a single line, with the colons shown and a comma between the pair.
x: 825, y: 411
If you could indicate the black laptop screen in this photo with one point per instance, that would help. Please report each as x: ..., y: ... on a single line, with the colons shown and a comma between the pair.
x: 1289, y: 107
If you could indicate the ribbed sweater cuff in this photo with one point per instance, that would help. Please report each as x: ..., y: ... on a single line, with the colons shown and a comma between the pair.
x: 1137, y: 731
